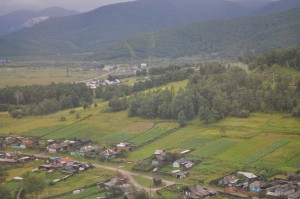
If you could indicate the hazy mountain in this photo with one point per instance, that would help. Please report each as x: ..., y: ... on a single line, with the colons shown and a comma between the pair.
x: 277, y: 6
x: 15, y: 20
x: 252, y: 5
x: 222, y: 38
x: 108, y: 24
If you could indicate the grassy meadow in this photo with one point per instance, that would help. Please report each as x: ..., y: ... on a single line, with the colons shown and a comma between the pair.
x: 12, y: 76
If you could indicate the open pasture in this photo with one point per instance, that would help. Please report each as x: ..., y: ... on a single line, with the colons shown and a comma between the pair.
x: 20, y: 76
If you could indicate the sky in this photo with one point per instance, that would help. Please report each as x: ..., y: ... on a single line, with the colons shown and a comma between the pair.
x: 7, y: 6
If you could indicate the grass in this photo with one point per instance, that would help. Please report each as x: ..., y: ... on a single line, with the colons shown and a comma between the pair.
x: 87, y: 193
x: 12, y: 76
x: 77, y: 181
x: 265, y: 151
x: 212, y: 149
x: 149, y: 135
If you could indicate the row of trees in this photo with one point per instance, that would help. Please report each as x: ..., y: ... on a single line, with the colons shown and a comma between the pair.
x: 168, y: 75
x: 287, y: 57
x: 44, y: 99
x: 212, y: 94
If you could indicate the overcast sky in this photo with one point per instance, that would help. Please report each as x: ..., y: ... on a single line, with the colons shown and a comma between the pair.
x: 7, y: 6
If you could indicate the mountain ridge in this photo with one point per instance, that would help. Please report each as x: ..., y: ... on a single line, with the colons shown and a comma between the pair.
x: 15, y: 20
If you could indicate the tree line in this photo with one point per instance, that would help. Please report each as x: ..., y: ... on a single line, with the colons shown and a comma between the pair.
x: 213, y: 93
x: 44, y: 99
x: 286, y: 57
x: 167, y: 75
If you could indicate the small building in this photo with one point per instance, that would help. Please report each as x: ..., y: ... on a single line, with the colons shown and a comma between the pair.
x: 247, y: 175
x: 185, y: 152
x: 157, y: 181
x: 281, y: 190
x: 197, y: 191
x: 109, y: 153
x: 187, y: 164
x: 229, y: 180
x: 182, y: 174
x: 124, y: 146
x: 55, y: 148
x: 66, y: 162
x: 256, y: 186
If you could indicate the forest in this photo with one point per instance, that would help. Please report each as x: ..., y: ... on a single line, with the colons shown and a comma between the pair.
x: 44, y: 99
x: 226, y: 39
x: 286, y: 57
x: 213, y: 93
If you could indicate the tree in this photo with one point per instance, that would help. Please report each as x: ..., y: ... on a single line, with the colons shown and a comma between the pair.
x: 33, y: 185
x: 181, y: 119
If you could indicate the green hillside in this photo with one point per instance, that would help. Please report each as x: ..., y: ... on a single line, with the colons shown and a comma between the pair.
x: 221, y: 39
x: 106, y: 25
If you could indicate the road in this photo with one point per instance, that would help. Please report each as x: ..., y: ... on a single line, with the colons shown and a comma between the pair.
x: 129, y: 174
x: 151, y: 191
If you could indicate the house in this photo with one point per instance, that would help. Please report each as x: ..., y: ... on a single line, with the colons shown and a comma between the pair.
x: 185, y: 152
x: 157, y: 181
x: 124, y: 146
x: 80, y: 143
x: 115, y: 181
x: 187, y: 164
x: 247, y: 175
x: 55, y: 148
x: 256, y: 186
x: 159, y: 156
x: 229, y: 180
x: 160, y: 152
x: 281, y: 190
x: 182, y: 174
x: 197, y: 191
x: 109, y: 153
x: 64, y: 162
x: 295, y: 195
x: 86, y: 166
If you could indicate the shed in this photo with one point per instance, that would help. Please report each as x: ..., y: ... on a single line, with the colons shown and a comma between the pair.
x: 157, y: 181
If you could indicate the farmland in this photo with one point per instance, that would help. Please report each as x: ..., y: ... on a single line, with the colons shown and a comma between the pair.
x: 252, y: 144
x: 12, y: 76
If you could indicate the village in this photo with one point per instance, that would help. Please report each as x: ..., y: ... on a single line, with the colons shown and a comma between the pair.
x: 60, y: 156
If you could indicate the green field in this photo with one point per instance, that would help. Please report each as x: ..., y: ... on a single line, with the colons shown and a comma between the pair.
x: 262, y: 140
x: 12, y: 76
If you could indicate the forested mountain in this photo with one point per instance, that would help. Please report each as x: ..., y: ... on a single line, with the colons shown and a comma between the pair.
x: 222, y: 38
x: 108, y: 24
x: 15, y: 20
x: 277, y: 6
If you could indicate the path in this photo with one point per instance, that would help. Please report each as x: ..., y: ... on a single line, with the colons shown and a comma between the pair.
x: 151, y: 191
x: 129, y: 174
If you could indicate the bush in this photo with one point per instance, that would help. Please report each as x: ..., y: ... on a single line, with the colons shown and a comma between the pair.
x: 63, y: 118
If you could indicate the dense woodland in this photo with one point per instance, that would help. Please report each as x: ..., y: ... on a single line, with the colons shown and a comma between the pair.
x: 287, y: 57
x: 213, y: 93
x: 41, y: 100
x: 224, y: 39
